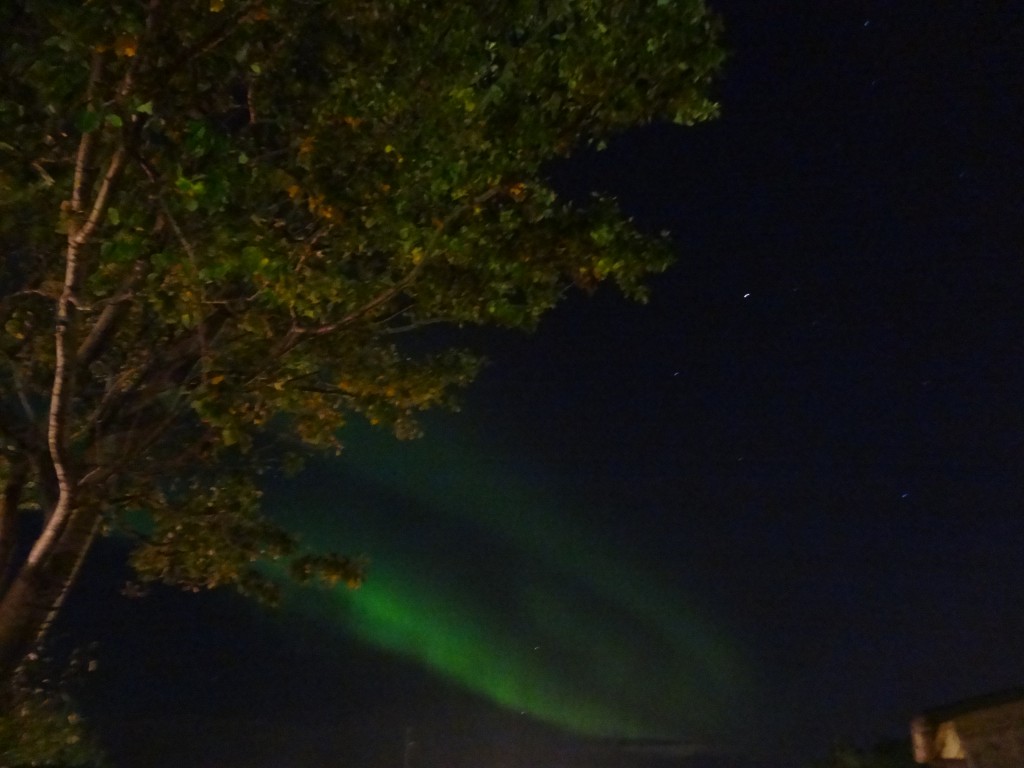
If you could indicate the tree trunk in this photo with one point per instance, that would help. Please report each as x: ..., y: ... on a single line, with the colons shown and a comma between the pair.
x: 29, y: 604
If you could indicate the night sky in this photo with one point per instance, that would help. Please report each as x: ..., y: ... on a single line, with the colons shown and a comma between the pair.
x: 777, y: 506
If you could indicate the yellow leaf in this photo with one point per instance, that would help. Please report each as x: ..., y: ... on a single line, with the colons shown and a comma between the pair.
x: 216, y: 6
x: 126, y: 45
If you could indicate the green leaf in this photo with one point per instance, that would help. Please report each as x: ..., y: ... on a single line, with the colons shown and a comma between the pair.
x: 114, y: 121
x: 146, y: 108
x: 252, y: 257
x: 87, y: 121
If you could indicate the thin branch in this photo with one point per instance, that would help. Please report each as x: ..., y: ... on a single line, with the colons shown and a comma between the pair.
x: 128, y: 81
x: 368, y: 307
x: 46, y: 177
x: 85, y: 143
x: 29, y: 292
x: 215, y: 37
x: 204, y: 348
x: 296, y: 334
x: 118, y: 387
x: 412, y: 326
x: 26, y: 406
x: 89, y: 349
x: 128, y: 453
x: 138, y: 442
x: 77, y: 238
x: 165, y: 368
x: 190, y: 251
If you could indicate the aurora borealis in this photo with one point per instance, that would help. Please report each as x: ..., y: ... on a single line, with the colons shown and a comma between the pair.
x: 497, y: 581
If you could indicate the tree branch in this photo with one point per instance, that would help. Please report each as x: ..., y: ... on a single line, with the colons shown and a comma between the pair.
x: 78, y: 236
x: 140, y: 438
x: 84, y: 543
x: 19, y: 387
x: 128, y: 81
x: 215, y: 37
x: 85, y: 143
x: 297, y: 333
x: 204, y: 348
x: 60, y: 395
x: 165, y: 368
x: 89, y: 349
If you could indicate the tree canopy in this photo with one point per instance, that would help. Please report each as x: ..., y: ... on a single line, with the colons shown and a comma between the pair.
x: 224, y: 223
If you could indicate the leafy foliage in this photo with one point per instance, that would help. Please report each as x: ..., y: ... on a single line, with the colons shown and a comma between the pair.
x: 43, y: 728
x: 45, y: 732
x: 239, y: 212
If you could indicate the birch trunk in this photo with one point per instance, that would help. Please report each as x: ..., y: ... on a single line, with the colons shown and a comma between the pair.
x: 35, y: 593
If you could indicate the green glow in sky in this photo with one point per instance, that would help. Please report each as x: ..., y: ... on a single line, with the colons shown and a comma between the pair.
x: 495, y: 580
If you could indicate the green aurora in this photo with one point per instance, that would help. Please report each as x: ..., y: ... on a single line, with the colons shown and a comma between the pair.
x: 492, y: 580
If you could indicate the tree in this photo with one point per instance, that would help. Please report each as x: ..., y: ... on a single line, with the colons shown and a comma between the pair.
x: 43, y: 729
x: 222, y: 221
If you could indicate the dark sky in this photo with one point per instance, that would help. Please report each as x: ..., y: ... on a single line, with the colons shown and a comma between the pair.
x: 812, y: 438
